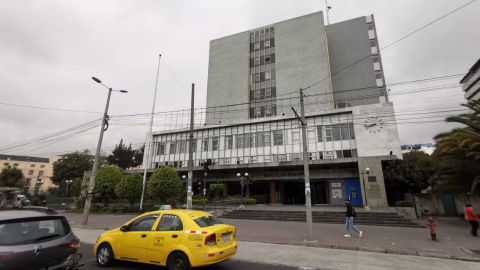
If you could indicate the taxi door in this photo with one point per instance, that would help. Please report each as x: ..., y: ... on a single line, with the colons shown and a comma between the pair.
x: 132, y: 243
x: 162, y: 239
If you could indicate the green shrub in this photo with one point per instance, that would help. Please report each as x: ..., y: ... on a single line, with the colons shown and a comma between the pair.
x: 260, y: 198
x: 250, y: 201
x: 120, y: 209
x: 109, y: 209
x: 403, y: 204
x: 198, y: 201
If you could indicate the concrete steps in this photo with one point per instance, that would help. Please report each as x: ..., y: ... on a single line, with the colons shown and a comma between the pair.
x: 365, y: 218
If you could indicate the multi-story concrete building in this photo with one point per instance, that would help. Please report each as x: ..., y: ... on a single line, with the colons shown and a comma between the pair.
x: 471, y: 82
x: 250, y: 126
x: 36, y: 170
x: 427, y: 148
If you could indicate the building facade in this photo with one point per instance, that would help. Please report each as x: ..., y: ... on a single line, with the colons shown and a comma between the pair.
x: 36, y: 171
x: 471, y: 82
x: 427, y: 148
x: 250, y: 127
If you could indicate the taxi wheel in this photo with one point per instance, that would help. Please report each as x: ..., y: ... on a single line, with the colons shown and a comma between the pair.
x: 104, y: 255
x: 178, y: 261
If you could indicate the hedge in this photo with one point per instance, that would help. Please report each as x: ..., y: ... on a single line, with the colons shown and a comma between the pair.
x: 250, y: 201
x: 403, y: 204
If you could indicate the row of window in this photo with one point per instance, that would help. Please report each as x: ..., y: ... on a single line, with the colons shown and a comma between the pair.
x: 40, y: 173
x: 336, y: 132
x: 262, y: 77
x: 29, y: 181
x: 266, y: 158
x: 16, y: 165
x: 262, y: 34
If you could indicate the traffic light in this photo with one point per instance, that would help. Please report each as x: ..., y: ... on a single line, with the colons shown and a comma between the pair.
x: 205, y: 168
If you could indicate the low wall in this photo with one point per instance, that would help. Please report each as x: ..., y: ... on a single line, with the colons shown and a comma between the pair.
x: 431, y: 204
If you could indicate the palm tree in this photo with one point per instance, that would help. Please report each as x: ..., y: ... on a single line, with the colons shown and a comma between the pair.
x: 458, y: 151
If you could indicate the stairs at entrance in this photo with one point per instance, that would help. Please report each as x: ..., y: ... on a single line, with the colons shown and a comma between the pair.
x: 335, y: 217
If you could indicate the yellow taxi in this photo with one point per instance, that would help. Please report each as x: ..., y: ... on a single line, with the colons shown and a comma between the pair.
x: 178, y: 239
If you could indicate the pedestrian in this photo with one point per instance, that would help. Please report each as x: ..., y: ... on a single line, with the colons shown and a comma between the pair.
x: 350, y: 216
x: 472, y: 218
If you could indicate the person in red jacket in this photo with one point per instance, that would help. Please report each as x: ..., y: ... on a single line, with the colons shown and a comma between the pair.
x: 472, y: 218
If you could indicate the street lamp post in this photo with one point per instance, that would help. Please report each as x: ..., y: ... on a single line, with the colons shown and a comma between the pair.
x: 91, y: 184
x: 367, y: 172
x: 66, y: 191
x: 242, y: 184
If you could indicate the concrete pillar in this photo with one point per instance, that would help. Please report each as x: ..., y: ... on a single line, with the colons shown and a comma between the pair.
x: 225, y: 190
x: 375, y: 187
x: 273, y: 194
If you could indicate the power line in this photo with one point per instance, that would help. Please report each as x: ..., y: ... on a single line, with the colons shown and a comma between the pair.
x: 44, y: 108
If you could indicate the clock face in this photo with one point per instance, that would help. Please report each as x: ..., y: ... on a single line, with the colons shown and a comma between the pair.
x: 373, y: 124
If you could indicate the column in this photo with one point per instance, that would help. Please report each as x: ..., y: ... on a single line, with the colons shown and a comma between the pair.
x: 273, y: 195
x: 225, y: 190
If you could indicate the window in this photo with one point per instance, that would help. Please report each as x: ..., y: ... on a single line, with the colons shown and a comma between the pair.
x: 328, y: 133
x: 257, y: 45
x: 354, y: 153
x: 215, y: 143
x: 175, y: 164
x: 180, y: 164
x: 205, y: 144
x: 269, y: 110
x: 336, y: 132
x: 257, y: 78
x: 33, y: 165
x: 30, y: 172
x: 296, y: 137
x: 228, y: 142
x: 161, y: 149
x: 15, y: 164
x: 266, y: 139
x: 257, y: 112
x: 378, y: 75
x: 38, y: 230
x: 328, y: 154
x: 183, y: 146
x: 246, y: 137
x: 267, y: 76
x: 194, y: 145
x: 207, y: 221
x: 312, y: 156
x: 239, y: 141
x: 339, y: 153
x: 320, y: 155
x: 173, y: 148
x: 267, y: 43
x: 143, y: 224
x: 352, y: 132
x: 282, y: 158
x: 252, y: 159
x: 253, y: 140
x: 373, y: 43
x: 370, y: 26
x: 272, y: 74
x: 42, y: 166
x: 311, y: 136
x: 267, y: 159
x: 278, y: 137
x: 228, y: 161
x: 268, y: 94
x: 297, y: 157
x: 28, y: 182
x: 347, y: 153
x: 257, y: 63
x: 5, y: 164
x: 344, y: 131
x: 240, y: 160
x: 170, y: 223
x: 375, y: 58
x: 40, y: 173
x: 267, y: 61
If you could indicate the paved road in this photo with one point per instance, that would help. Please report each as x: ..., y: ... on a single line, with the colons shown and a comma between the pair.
x: 90, y: 264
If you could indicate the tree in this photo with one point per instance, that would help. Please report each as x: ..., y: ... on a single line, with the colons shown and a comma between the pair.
x: 217, y: 190
x: 105, y: 182
x: 122, y: 156
x: 71, y: 166
x: 458, y: 152
x: 164, y: 184
x: 130, y: 188
x: 76, y: 188
x: 11, y: 177
x: 411, y: 174
x: 138, y: 156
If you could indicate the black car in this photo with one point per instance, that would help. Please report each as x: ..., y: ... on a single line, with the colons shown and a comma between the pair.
x: 37, y: 238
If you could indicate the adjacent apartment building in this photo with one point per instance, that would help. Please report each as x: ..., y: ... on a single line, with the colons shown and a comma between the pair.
x: 253, y: 82
x: 471, y: 83
x: 36, y: 170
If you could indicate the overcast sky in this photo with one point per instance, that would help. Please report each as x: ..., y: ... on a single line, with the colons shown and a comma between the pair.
x: 50, y: 49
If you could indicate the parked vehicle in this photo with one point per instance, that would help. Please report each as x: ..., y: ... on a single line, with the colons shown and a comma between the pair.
x: 178, y: 239
x: 37, y: 238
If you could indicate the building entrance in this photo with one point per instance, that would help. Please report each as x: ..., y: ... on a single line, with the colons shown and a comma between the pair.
x: 319, y: 192
x: 293, y: 193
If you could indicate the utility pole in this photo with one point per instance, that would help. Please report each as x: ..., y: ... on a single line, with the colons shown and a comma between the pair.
x: 308, y: 200
x: 91, y: 184
x: 190, y: 154
x: 327, y: 8
x: 149, y: 139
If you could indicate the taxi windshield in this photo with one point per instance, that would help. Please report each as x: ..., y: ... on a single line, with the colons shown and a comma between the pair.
x: 207, y: 221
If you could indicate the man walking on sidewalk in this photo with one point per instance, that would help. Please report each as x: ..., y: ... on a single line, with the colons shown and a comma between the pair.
x: 472, y: 218
x: 350, y: 215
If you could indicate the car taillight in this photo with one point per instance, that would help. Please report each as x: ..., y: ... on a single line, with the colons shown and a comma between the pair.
x: 74, y: 244
x: 5, y: 254
x: 211, y: 240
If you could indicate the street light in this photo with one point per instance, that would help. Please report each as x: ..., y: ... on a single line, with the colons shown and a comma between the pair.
x: 367, y: 172
x: 91, y: 184
x: 66, y: 191
x: 184, y: 177
x: 242, y: 184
